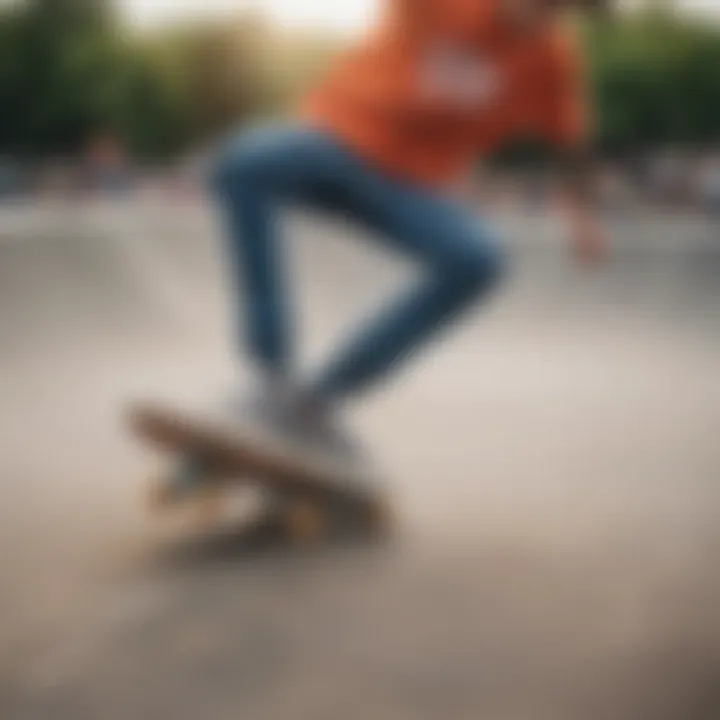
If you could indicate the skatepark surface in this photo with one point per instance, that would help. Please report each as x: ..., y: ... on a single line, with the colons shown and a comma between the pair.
x: 555, y: 466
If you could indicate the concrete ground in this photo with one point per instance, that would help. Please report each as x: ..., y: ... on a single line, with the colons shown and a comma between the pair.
x: 555, y: 466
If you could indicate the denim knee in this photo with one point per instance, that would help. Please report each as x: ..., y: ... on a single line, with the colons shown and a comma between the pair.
x: 478, y: 264
x: 237, y: 166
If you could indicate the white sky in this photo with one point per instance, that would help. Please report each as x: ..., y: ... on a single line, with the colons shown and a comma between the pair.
x: 337, y: 14
x: 347, y: 15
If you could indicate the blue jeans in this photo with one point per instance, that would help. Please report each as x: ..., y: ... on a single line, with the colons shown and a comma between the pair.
x: 263, y: 170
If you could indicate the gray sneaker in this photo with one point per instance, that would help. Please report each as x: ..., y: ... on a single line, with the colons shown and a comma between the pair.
x: 293, y: 422
x: 282, y: 421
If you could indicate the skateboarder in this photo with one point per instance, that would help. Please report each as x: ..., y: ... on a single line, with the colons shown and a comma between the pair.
x: 381, y: 140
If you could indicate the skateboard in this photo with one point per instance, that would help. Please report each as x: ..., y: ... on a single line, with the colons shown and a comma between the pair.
x: 311, y: 499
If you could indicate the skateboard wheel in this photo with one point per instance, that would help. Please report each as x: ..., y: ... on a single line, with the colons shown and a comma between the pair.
x: 380, y: 517
x: 166, y: 493
x: 304, y: 521
x: 161, y: 495
x: 209, y: 506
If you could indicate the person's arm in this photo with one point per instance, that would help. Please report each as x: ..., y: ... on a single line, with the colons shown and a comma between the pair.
x: 579, y: 178
x: 567, y: 125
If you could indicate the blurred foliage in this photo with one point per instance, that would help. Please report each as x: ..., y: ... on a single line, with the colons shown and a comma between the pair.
x: 55, y: 58
x: 69, y: 70
x: 656, y: 80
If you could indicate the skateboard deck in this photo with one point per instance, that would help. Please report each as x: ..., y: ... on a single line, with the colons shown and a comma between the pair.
x: 312, y: 496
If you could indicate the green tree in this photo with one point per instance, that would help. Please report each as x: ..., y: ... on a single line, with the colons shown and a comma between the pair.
x: 657, y: 80
x: 69, y: 69
x: 55, y: 56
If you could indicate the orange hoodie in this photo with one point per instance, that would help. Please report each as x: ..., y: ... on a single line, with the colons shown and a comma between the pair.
x: 441, y: 81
